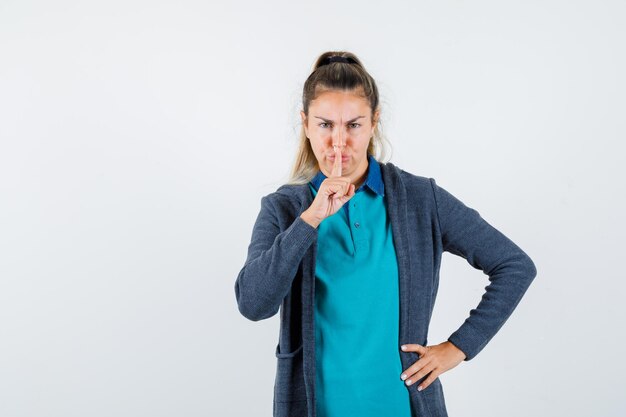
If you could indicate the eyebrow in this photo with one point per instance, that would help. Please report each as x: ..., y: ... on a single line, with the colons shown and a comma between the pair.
x: 331, y: 121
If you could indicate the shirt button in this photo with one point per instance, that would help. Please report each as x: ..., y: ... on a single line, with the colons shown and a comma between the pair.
x: 357, y: 224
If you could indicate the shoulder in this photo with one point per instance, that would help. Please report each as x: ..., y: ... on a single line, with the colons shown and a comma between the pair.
x: 288, y: 198
x: 398, y: 177
x: 426, y: 190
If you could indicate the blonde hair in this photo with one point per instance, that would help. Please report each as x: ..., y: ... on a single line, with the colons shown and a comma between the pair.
x: 341, y: 76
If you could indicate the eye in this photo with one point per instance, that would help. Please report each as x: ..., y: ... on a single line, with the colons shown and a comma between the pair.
x: 355, y: 125
x: 323, y: 123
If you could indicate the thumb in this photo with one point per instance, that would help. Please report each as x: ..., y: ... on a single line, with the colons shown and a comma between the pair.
x: 349, y: 194
x: 351, y: 190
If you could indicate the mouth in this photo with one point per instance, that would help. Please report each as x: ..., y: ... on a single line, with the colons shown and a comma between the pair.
x: 344, y: 158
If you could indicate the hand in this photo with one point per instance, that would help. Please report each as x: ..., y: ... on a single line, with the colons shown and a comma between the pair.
x: 434, y: 360
x: 333, y: 193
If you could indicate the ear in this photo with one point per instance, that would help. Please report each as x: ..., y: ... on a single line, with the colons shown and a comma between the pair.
x: 375, y: 120
x: 304, y: 123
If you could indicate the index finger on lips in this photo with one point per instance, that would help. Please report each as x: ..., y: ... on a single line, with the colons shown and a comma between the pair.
x: 337, y: 165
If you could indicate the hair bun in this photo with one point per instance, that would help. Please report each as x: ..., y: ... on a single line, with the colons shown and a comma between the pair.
x: 337, y: 58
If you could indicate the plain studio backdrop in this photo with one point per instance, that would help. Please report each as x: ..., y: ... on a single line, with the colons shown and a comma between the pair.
x: 138, y: 137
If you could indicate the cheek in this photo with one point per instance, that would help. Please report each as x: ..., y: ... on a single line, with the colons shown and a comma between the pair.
x: 362, y: 142
x: 318, y: 151
x: 317, y: 146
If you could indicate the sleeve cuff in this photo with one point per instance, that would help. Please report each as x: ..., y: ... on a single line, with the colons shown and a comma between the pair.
x: 467, y: 341
x: 299, y: 235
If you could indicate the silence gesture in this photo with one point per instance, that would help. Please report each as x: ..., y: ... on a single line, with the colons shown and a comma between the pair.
x: 333, y: 193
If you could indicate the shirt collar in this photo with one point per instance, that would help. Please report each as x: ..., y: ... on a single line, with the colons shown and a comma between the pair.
x: 374, y: 178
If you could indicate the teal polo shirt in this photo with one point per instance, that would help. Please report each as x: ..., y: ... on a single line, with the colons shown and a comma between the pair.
x: 357, y: 308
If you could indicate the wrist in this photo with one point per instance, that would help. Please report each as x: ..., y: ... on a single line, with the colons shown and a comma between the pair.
x: 456, y: 349
x: 308, y: 218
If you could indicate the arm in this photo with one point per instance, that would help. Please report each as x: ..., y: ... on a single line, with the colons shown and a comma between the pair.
x: 465, y: 233
x: 271, y: 264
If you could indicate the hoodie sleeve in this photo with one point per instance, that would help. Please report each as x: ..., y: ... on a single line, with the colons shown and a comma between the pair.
x: 465, y: 233
x: 272, y: 262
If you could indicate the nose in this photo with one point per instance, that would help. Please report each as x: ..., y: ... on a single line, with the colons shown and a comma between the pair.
x: 338, y: 139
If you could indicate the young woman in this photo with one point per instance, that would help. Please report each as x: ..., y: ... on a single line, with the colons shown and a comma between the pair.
x: 350, y: 251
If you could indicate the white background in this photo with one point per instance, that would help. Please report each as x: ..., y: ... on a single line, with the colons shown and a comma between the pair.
x: 137, y: 138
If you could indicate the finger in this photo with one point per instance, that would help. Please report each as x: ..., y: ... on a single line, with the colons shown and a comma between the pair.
x: 337, y: 165
x: 336, y: 190
x: 420, y: 368
x: 414, y: 347
x: 425, y: 383
x: 419, y: 375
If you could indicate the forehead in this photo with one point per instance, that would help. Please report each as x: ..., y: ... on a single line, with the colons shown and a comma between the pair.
x: 339, y: 102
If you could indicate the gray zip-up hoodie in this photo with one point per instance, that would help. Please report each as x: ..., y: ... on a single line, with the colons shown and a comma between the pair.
x: 426, y: 220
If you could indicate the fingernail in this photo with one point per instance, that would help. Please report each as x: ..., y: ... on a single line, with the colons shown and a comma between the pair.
x: 403, y: 376
x: 403, y: 347
x: 419, y: 388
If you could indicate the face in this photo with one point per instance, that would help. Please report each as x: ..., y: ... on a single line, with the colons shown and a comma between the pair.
x: 343, y: 119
